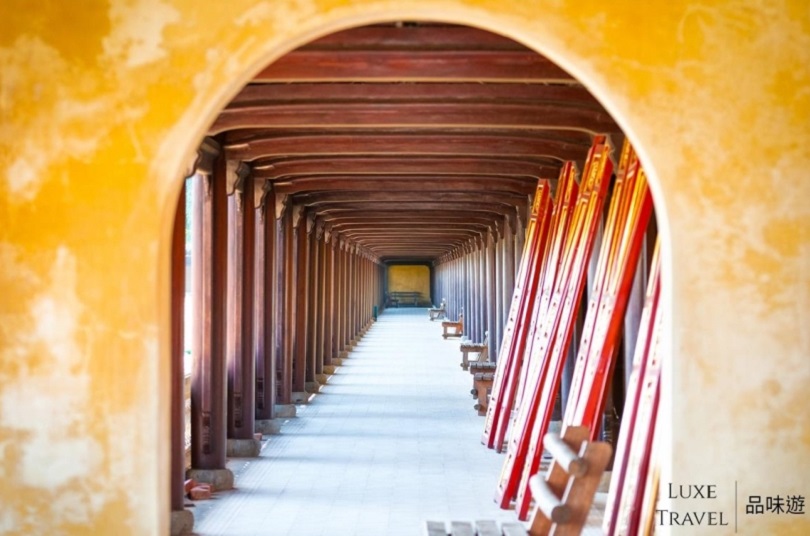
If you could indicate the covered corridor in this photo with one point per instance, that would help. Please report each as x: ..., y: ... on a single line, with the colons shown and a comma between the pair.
x: 330, y: 140
x: 389, y: 442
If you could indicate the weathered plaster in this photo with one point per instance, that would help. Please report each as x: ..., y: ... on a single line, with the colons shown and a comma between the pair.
x: 99, y: 116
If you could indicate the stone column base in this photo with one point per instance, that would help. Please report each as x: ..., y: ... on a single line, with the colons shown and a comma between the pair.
x: 182, y: 522
x: 312, y: 387
x: 329, y: 369
x: 243, y: 448
x: 343, y: 354
x: 220, y: 479
x: 284, y: 411
x: 322, y: 377
x: 268, y: 426
x: 335, y: 363
x: 300, y: 397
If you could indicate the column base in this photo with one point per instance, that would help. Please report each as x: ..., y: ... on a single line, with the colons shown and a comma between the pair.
x: 268, y: 426
x: 329, y: 369
x: 343, y: 354
x: 220, y: 479
x: 335, y: 363
x: 182, y: 522
x: 243, y: 448
x: 312, y: 387
x: 300, y: 397
x: 284, y: 411
x: 322, y: 377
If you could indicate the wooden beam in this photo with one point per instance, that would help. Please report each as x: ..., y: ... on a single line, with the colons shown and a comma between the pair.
x: 503, y: 115
x: 404, y: 184
x: 255, y: 96
x: 319, y: 65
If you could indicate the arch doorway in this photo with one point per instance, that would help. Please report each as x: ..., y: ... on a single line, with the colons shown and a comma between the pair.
x: 88, y: 161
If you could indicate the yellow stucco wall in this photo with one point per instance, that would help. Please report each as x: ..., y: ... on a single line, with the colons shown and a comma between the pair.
x: 102, y: 104
x: 409, y: 278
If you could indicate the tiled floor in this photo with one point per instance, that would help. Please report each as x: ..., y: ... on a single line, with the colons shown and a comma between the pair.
x: 392, y: 441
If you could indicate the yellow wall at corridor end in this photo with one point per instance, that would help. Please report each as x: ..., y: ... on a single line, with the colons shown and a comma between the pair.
x: 99, y: 117
x: 409, y: 278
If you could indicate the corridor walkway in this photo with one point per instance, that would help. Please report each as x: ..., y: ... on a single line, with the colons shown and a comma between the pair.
x: 391, y: 441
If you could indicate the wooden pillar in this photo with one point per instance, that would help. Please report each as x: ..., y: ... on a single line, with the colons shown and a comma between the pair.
x: 329, y: 309
x: 337, y: 318
x: 323, y: 303
x: 178, y: 403
x: 498, y: 287
x: 510, y: 269
x: 482, y: 284
x: 263, y: 324
x: 239, y: 320
x: 283, y: 372
x: 300, y: 299
x: 491, y: 301
x: 313, y: 302
x: 209, y: 243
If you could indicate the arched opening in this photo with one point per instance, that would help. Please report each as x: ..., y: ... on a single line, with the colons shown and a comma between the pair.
x: 92, y: 168
x: 410, y: 145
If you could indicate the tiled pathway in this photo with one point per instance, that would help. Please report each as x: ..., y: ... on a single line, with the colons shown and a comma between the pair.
x: 391, y: 441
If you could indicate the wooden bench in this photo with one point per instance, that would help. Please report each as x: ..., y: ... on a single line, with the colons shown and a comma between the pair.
x: 480, y: 367
x: 479, y: 528
x: 452, y: 328
x: 482, y: 387
x: 405, y: 297
x: 482, y: 348
x: 437, y: 312
x: 564, y: 498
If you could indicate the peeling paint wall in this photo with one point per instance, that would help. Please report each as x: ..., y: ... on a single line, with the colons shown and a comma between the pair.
x: 99, y: 116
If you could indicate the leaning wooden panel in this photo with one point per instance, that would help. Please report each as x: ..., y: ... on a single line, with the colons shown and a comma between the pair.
x: 565, y: 303
x: 570, y: 278
x: 634, y: 387
x: 525, y: 285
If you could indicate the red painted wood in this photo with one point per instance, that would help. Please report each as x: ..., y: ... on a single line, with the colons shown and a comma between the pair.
x: 263, y: 313
x: 627, y: 219
x: 559, y: 317
x: 208, y: 427
x: 415, y: 66
x: 622, y: 496
x: 424, y: 115
x: 178, y: 402
x: 241, y: 366
x: 514, y: 335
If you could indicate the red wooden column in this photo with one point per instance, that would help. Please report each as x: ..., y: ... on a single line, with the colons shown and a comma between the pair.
x: 500, y: 236
x: 329, y: 299
x: 491, y: 299
x: 324, y: 251
x: 301, y: 300
x: 283, y: 366
x: 481, y: 308
x: 263, y: 314
x: 509, y: 265
x: 313, y: 307
x: 339, y: 332
x: 241, y: 401
x: 208, y: 426
x: 182, y: 520
x: 475, y: 327
x: 347, y: 297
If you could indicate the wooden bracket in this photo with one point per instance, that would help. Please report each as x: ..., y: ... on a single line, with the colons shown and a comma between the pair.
x: 236, y: 174
x: 261, y: 187
x: 310, y: 223
x: 281, y: 205
x: 297, y: 213
x: 203, y: 162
